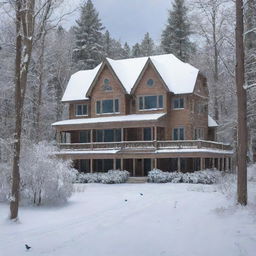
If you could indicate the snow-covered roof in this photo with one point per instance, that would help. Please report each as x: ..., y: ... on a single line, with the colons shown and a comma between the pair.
x: 179, y: 77
x: 212, y: 122
x: 126, y: 118
x: 79, y: 84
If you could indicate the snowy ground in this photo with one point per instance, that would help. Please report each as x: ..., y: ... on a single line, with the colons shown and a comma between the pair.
x: 169, y: 219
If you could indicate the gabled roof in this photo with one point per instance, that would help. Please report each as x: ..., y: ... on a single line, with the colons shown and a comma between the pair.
x: 179, y: 77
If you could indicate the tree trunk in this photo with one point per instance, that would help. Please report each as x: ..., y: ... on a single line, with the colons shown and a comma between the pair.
x: 24, y: 35
x: 14, y: 204
x: 242, y: 108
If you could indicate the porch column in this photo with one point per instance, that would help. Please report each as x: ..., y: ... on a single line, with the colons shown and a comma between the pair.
x: 179, y: 165
x: 114, y: 164
x: 58, y: 137
x: 218, y: 165
x: 155, y: 163
x: 223, y: 164
x: 122, y: 164
x: 91, y: 135
x: 213, y: 163
x: 202, y: 163
x: 133, y: 167
x: 91, y: 165
x: 122, y: 134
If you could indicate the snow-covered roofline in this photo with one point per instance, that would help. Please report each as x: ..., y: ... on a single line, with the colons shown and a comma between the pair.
x: 125, y: 118
x: 179, y: 77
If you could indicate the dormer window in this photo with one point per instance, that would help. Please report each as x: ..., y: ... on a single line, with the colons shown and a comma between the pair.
x: 151, y: 102
x: 81, y: 110
x: 178, y: 103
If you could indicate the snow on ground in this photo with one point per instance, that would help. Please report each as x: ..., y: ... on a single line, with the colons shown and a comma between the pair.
x: 168, y: 219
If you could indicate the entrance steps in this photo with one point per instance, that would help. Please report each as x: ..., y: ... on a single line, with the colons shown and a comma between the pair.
x: 137, y: 180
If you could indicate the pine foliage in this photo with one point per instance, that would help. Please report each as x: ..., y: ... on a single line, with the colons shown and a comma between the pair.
x: 147, y: 46
x: 175, y: 37
x: 88, y: 51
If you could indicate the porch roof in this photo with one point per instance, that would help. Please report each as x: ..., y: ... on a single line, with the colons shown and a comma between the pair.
x: 111, y: 121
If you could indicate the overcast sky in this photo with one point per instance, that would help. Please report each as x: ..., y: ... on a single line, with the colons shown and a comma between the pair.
x: 129, y: 20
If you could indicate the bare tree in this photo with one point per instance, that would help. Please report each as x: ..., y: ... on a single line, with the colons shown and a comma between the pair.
x: 242, y: 108
x: 24, y: 40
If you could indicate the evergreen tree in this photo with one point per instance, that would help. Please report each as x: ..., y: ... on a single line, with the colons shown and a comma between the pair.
x: 175, y: 37
x: 88, y: 52
x: 136, y: 51
x: 147, y: 46
x: 127, y: 50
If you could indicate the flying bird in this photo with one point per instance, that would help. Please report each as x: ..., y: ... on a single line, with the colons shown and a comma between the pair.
x: 141, y: 194
x: 125, y: 200
x: 27, y: 247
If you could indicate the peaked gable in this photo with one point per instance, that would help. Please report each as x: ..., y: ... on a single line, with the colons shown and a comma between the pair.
x: 178, y: 77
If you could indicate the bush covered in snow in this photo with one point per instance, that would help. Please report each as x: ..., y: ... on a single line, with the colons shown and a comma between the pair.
x: 110, y: 177
x: 252, y: 173
x: 45, y: 179
x: 202, y: 177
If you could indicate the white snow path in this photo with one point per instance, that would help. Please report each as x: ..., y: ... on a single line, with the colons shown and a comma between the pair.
x: 169, y: 219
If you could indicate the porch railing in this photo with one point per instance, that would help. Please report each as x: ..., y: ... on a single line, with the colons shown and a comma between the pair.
x: 181, y: 144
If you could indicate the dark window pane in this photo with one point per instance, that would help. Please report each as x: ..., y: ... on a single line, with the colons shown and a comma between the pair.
x: 117, y: 134
x: 160, y: 101
x: 118, y: 164
x: 150, y: 102
x: 84, y: 165
x: 181, y: 103
x: 181, y: 137
x: 176, y: 103
x: 147, y: 166
x: 141, y: 103
x: 147, y: 134
x: 116, y: 105
x: 175, y: 134
x: 108, y: 135
x: 107, y: 106
x: 84, y: 137
x: 99, y: 135
x: 108, y: 164
x: 84, y: 109
x: 98, y: 107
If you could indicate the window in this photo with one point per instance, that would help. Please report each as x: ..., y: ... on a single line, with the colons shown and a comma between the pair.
x: 84, y: 136
x: 178, y: 133
x: 199, y: 133
x: 106, y: 85
x: 150, y: 83
x: 178, y: 103
x: 81, y: 110
x: 150, y: 102
x: 108, y: 135
x: 107, y: 106
x: 147, y: 134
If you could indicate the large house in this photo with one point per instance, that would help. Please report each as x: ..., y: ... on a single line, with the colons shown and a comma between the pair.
x: 138, y: 114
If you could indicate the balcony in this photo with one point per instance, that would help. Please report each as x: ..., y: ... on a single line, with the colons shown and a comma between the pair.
x: 147, y: 145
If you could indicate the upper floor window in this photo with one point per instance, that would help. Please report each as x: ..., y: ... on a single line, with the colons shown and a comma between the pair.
x: 151, y: 102
x: 178, y: 133
x: 178, y: 103
x: 81, y: 110
x: 107, y: 106
x: 199, y: 133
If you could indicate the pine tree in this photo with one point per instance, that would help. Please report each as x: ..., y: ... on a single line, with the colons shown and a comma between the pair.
x: 127, y: 50
x: 147, y: 46
x: 88, y: 52
x: 136, y: 51
x: 175, y: 37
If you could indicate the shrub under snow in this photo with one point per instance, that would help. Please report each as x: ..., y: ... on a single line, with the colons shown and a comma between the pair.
x: 110, y: 177
x: 45, y: 179
x: 202, y: 177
